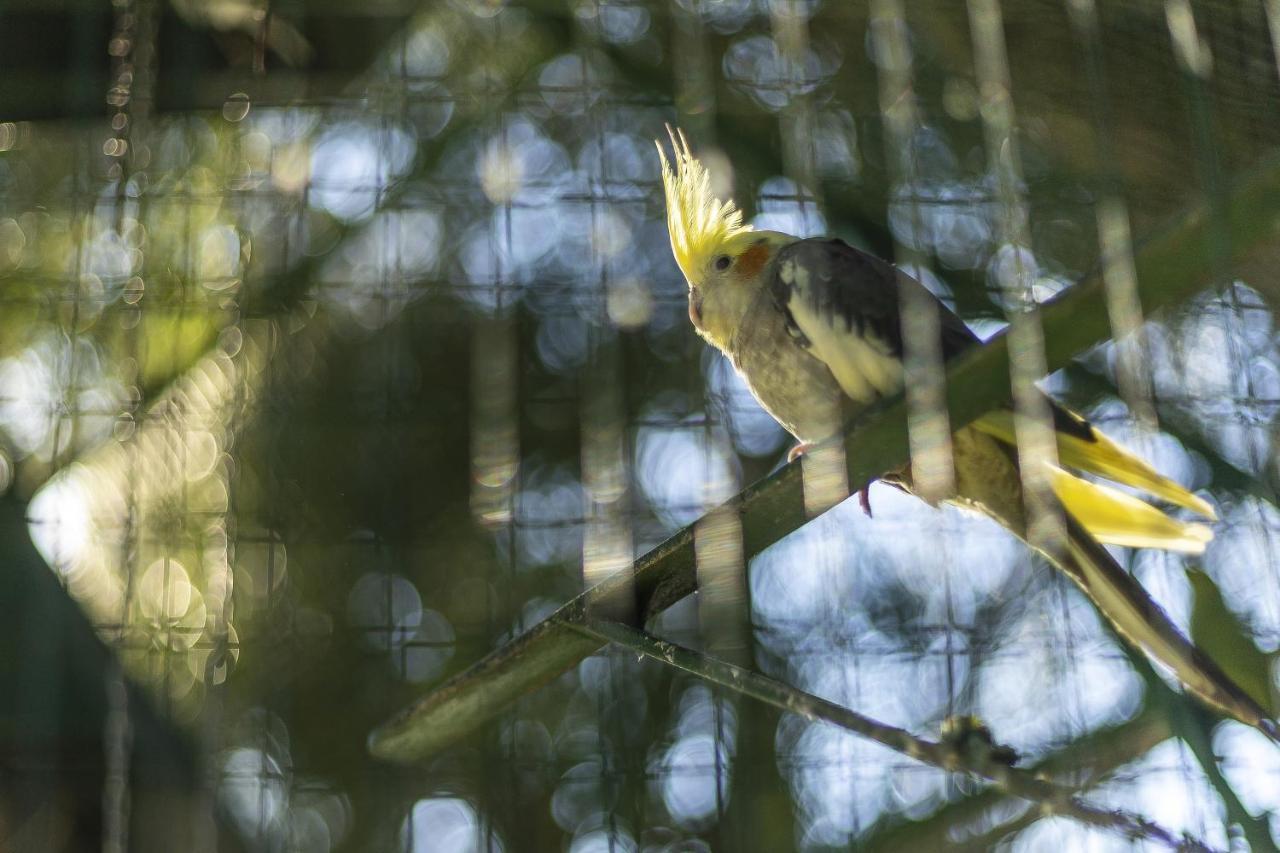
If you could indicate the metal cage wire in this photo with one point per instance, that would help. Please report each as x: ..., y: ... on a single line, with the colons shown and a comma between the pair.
x: 310, y: 406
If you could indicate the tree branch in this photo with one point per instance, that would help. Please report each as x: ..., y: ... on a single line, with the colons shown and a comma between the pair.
x: 1172, y: 266
x: 970, y: 757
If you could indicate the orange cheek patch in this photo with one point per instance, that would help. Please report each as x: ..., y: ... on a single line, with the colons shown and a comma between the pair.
x: 752, y: 261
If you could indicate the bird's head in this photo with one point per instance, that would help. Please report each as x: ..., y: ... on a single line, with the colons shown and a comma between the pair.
x: 723, y: 260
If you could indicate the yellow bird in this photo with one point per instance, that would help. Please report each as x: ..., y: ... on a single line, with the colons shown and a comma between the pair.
x: 813, y: 327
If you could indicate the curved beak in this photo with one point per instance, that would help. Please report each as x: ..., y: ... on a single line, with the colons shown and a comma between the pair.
x: 695, y: 308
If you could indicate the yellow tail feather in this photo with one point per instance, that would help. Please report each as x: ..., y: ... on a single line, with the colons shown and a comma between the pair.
x: 1115, y: 518
x: 1104, y: 458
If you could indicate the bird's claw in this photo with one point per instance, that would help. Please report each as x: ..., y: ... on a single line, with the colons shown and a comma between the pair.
x: 799, y: 450
x: 864, y: 494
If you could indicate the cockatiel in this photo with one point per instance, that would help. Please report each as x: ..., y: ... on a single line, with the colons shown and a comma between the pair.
x: 812, y: 325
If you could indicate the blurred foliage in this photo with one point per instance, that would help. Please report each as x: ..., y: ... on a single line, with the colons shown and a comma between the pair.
x: 310, y: 405
x: 1218, y: 632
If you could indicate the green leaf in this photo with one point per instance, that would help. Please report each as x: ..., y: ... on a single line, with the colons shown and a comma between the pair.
x: 1222, y: 636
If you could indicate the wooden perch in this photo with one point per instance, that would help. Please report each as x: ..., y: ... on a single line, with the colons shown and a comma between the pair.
x: 1174, y: 264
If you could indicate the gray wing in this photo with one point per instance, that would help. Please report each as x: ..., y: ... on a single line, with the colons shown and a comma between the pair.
x: 842, y: 304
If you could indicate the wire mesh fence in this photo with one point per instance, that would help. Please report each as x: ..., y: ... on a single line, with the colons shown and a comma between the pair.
x: 308, y: 405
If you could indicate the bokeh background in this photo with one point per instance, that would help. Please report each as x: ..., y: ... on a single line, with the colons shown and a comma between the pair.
x: 340, y: 344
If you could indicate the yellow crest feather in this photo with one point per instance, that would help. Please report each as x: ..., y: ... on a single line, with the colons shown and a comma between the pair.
x: 699, y: 223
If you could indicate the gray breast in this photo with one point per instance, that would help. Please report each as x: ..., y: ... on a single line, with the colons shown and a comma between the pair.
x: 793, y: 386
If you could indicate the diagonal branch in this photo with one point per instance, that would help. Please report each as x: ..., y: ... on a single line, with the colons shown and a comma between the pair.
x: 1086, y: 761
x: 981, y: 763
x: 1172, y: 265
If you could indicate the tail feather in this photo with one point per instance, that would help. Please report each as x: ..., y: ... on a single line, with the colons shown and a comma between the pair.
x: 1087, y: 449
x: 1142, y: 622
x: 987, y: 476
x: 1116, y: 518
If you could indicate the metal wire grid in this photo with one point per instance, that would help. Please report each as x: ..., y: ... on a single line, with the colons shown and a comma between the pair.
x: 596, y: 751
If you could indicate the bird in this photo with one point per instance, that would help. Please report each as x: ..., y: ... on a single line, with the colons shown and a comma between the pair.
x: 813, y: 326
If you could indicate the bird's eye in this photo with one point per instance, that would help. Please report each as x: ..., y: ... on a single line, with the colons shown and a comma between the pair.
x: 723, y: 263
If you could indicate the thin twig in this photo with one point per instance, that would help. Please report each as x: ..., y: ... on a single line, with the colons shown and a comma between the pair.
x: 1052, y: 799
x: 1087, y: 761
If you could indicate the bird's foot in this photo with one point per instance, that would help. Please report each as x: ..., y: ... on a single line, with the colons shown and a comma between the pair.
x: 799, y: 450
x: 864, y: 499
x: 864, y: 494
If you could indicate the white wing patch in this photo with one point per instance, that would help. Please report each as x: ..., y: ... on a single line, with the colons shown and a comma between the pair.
x: 862, y: 364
